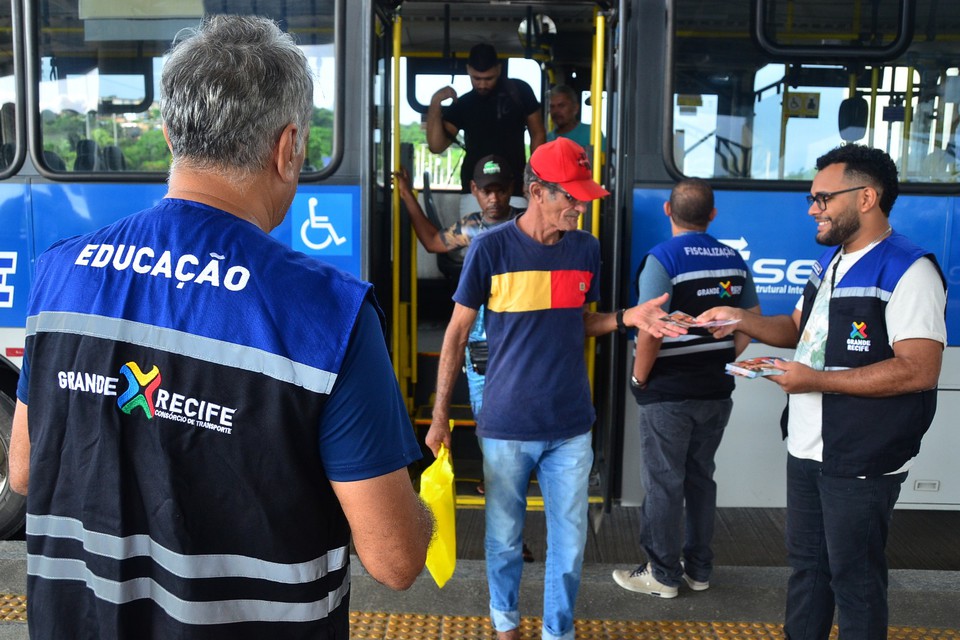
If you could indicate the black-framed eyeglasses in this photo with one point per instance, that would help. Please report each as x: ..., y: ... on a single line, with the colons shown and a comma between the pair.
x: 822, y: 197
x: 555, y: 188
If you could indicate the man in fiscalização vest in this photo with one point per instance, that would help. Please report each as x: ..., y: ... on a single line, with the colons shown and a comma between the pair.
x: 683, y: 395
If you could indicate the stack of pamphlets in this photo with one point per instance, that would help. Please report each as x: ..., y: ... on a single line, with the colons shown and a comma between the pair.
x: 687, y: 321
x: 754, y: 367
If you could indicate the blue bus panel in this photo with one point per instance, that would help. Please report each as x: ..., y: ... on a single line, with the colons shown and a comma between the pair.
x: 323, y: 222
x: 775, y: 235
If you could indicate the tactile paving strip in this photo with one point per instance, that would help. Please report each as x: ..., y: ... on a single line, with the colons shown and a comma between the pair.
x: 406, y: 626
x: 13, y: 608
x: 410, y: 626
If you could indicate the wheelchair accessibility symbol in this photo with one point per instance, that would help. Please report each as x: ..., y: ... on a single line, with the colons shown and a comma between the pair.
x: 317, y: 231
x: 326, y: 223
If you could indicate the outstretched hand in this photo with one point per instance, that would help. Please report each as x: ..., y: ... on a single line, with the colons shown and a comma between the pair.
x: 648, y: 316
x: 721, y: 313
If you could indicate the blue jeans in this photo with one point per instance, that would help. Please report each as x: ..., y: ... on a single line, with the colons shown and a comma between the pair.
x: 678, y: 441
x: 475, y: 380
x: 836, y: 540
x: 475, y: 383
x: 563, y: 470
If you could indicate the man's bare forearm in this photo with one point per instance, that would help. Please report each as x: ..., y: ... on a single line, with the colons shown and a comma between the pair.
x: 437, y: 138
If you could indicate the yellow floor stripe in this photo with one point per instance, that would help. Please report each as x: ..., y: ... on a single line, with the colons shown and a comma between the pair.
x: 405, y: 626
x: 13, y: 607
x: 409, y: 626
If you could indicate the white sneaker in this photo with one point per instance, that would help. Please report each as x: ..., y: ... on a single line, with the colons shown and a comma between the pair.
x: 695, y: 585
x: 641, y: 580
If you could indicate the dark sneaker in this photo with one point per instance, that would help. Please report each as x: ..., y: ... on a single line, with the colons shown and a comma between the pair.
x: 527, y: 554
x: 641, y: 580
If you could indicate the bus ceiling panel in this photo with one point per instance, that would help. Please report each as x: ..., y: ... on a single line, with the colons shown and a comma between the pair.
x: 194, y: 9
x: 92, y: 21
x: 424, y: 23
x: 124, y: 30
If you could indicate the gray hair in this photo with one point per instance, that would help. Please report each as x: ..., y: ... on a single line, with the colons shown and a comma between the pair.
x: 530, y: 176
x: 566, y: 90
x: 228, y: 91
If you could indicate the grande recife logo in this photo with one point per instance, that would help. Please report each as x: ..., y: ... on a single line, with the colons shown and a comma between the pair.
x: 858, y: 340
x: 858, y: 330
x: 141, y: 389
x: 723, y: 290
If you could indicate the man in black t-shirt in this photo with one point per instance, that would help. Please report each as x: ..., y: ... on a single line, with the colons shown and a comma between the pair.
x: 493, y: 116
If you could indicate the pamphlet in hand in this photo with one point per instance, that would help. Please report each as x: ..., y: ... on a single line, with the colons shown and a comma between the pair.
x: 687, y: 321
x: 754, y: 367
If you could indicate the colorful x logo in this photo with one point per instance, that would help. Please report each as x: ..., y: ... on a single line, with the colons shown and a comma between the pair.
x: 141, y: 388
x: 859, y: 330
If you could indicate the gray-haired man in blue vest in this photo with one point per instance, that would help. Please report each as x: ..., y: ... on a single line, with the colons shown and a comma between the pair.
x: 869, y: 332
x: 207, y: 421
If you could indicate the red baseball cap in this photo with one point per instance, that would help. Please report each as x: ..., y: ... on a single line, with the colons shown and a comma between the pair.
x: 565, y: 163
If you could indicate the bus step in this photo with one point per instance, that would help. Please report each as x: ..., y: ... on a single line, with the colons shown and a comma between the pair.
x: 468, y: 461
x: 534, y: 503
x: 461, y: 414
x: 467, y: 479
x: 427, y: 381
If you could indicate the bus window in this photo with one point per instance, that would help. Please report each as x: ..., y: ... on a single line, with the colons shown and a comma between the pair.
x: 739, y: 114
x: 322, y: 59
x: 806, y: 135
x: 880, y: 27
x: 8, y: 96
x: 99, y: 74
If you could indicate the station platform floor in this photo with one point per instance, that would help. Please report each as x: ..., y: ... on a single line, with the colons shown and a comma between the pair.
x: 745, y: 598
x: 742, y: 602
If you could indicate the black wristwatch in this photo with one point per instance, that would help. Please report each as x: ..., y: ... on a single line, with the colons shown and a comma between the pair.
x: 636, y: 384
x: 622, y: 328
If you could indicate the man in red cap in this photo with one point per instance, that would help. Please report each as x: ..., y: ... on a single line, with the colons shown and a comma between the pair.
x: 536, y: 275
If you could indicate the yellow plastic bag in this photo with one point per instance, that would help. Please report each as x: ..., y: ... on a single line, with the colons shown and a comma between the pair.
x: 436, y: 489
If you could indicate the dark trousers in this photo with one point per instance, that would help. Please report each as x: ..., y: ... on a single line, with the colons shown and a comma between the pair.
x: 678, y: 441
x: 836, y: 539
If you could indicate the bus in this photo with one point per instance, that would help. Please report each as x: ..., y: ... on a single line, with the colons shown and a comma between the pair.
x: 743, y: 93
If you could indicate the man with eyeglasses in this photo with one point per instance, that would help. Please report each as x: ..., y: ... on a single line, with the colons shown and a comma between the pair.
x: 493, y: 116
x: 869, y: 332
x: 536, y: 276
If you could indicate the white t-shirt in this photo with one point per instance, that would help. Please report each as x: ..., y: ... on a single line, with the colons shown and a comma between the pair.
x: 915, y: 310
